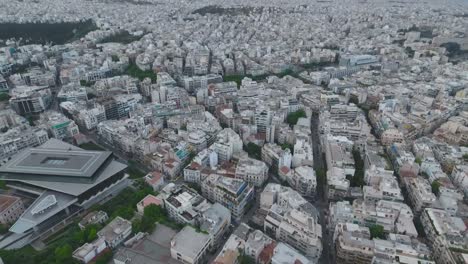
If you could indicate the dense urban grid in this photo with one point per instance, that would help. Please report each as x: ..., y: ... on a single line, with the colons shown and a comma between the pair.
x: 234, y: 132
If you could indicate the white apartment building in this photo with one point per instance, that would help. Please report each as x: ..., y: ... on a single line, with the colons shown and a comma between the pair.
x: 17, y: 139
x: 276, y: 157
x: 116, y: 231
x: 301, y: 231
x: 304, y: 180
x: 252, y: 171
x: 446, y: 235
x: 234, y: 194
x: 184, y: 205
x: 419, y: 193
x: 391, y: 136
x: 227, y: 144
x: 283, y: 253
x: 190, y: 246
x: 90, y: 118
x: 459, y: 176
x: 88, y: 251
x: 303, y: 153
x: 255, y: 243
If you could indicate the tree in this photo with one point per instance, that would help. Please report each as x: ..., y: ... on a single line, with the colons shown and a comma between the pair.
x: 452, y: 48
x: 154, y: 212
x: 287, y: 146
x: 126, y: 212
x: 3, y: 229
x: 418, y: 161
x: 63, y: 254
x: 465, y: 157
x: 246, y: 259
x: 4, y: 97
x: 92, y: 235
x: 377, y: 231
x: 254, y: 150
x: 293, y: 117
x: 104, y: 258
x: 3, y: 185
x: 358, y: 179
x: 435, y: 186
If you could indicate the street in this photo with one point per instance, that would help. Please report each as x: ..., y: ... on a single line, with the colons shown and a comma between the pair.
x: 321, y: 202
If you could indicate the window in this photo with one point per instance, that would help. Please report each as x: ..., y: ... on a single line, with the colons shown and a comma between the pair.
x: 55, y: 161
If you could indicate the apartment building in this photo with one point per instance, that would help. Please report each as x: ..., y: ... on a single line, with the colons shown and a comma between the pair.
x: 276, y: 157
x: 252, y: 171
x: 190, y: 246
x: 11, y: 208
x: 419, y: 193
x: 446, y: 235
x: 184, y: 205
x: 234, y: 194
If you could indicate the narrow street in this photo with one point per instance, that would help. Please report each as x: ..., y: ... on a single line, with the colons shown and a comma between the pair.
x: 321, y: 202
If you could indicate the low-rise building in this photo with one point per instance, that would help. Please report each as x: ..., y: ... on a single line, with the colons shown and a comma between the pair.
x: 95, y: 217
x: 216, y: 221
x: 283, y: 253
x: 256, y: 243
x: 88, y: 251
x: 11, y: 208
x: 190, y: 246
x: 155, y: 179
x: 116, y: 231
x: 148, y: 200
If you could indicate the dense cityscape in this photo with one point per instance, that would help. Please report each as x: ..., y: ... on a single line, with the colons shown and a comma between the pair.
x: 234, y: 132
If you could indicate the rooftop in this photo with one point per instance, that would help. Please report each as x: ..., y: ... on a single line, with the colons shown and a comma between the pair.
x: 189, y: 241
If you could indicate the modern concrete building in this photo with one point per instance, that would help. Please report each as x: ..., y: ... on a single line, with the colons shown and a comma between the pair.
x: 65, y: 179
x: 190, y: 246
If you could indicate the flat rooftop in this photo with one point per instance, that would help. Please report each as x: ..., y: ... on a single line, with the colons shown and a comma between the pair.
x: 58, y: 175
x: 55, y: 162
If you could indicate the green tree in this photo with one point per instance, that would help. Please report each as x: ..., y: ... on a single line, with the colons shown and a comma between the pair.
x: 3, y: 185
x: 63, y: 254
x: 4, y: 97
x: 358, y: 179
x: 418, y: 161
x: 435, y: 186
x: 254, y: 150
x: 465, y: 157
x: 104, y: 258
x: 154, y: 212
x: 3, y: 229
x: 377, y: 231
x: 289, y: 146
x: 136, y: 225
x: 293, y: 117
x: 126, y: 212
x: 92, y: 235
x: 246, y: 259
x: 136, y: 72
